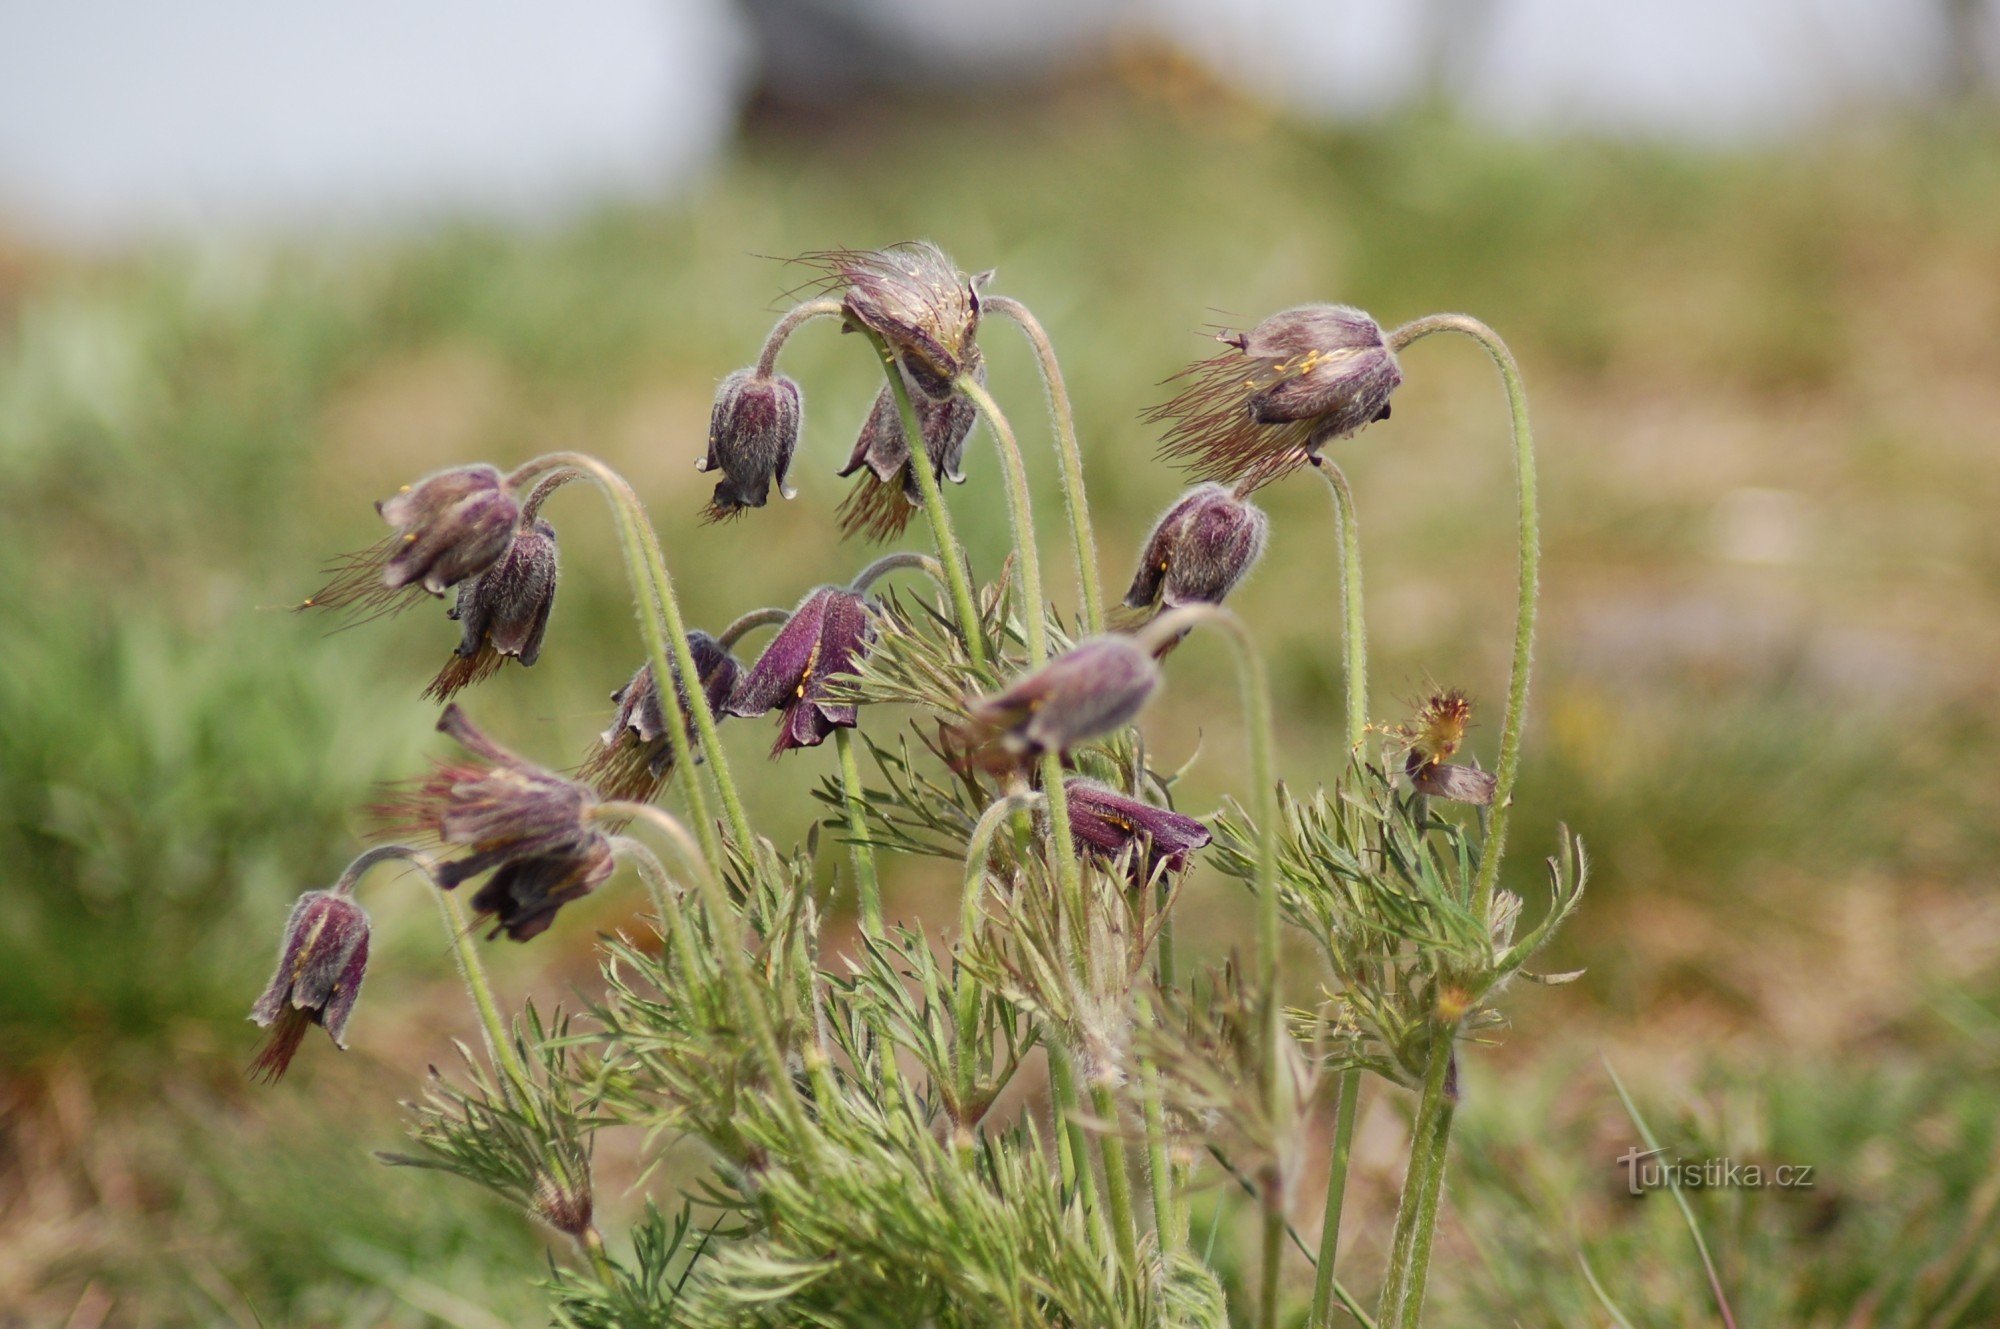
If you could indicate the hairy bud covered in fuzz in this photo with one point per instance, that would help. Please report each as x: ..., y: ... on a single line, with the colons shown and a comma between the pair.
x: 752, y: 433
x: 917, y: 300
x: 1200, y: 549
x: 503, y: 613
x: 321, y: 963
x: 1097, y: 687
x: 452, y: 526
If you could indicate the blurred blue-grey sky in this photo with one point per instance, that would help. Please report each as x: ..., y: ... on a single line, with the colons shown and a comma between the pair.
x: 119, y: 117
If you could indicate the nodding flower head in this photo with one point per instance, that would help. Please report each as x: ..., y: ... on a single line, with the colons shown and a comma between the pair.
x: 880, y: 507
x: 1109, y: 824
x: 1092, y: 689
x: 1201, y: 548
x: 529, y: 827
x: 634, y: 757
x: 1431, y: 739
x: 1294, y: 383
x: 447, y: 528
x: 916, y: 299
x: 752, y: 434
x: 826, y: 636
x: 503, y: 613
x: 321, y: 962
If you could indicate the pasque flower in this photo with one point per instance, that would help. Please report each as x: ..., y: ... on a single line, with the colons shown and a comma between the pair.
x: 451, y: 526
x: 1109, y: 824
x: 1199, y: 550
x: 917, y: 300
x: 752, y: 433
x: 1092, y: 689
x: 826, y: 636
x: 321, y: 962
x: 1432, y: 739
x: 884, y: 500
x: 503, y: 613
x: 527, y: 826
x: 634, y: 757
x: 1297, y: 381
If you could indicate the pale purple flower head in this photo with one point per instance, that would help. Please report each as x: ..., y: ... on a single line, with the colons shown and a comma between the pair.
x: 503, y: 613
x: 1096, y: 687
x: 1109, y: 824
x: 917, y: 300
x: 826, y: 636
x: 752, y: 434
x: 447, y: 528
x: 1201, y: 548
x: 321, y: 963
x: 634, y: 756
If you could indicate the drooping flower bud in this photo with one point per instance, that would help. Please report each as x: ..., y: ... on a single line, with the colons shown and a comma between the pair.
x: 526, y: 825
x: 826, y: 636
x: 917, y: 300
x: 1201, y: 548
x: 883, y: 501
x: 1432, y: 739
x: 451, y: 526
x: 321, y: 963
x: 1092, y: 689
x: 634, y: 757
x: 1109, y: 824
x: 1297, y: 381
x: 503, y: 613
x: 752, y: 433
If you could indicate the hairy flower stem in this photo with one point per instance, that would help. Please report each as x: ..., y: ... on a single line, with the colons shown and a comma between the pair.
x: 1062, y: 1095
x: 791, y: 321
x: 1072, y: 455
x: 1256, y: 690
x: 1117, y: 1181
x: 867, y: 885
x: 1020, y: 513
x: 729, y: 941
x: 499, y: 1043
x: 1354, y: 629
x: 1336, y: 1196
x: 935, y: 511
x: 971, y: 895
x: 896, y: 562
x: 1402, y: 1303
x: 750, y: 622
x: 1530, y: 556
x: 665, y: 633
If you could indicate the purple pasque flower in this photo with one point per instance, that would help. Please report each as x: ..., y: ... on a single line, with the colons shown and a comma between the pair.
x: 503, y: 613
x: 531, y: 828
x: 447, y: 528
x: 634, y: 756
x: 883, y: 501
x: 916, y: 299
x: 1299, y: 380
x: 1094, y: 688
x: 1106, y: 822
x: 752, y: 433
x: 1199, y: 550
x: 826, y: 636
x: 321, y: 962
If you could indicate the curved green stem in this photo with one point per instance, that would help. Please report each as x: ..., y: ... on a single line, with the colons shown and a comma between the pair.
x: 1062, y: 1093
x: 1072, y: 455
x: 499, y: 1043
x: 896, y: 562
x: 1117, y: 1182
x: 1336, y: 1196
x: 969, y: 626
x: 666, y: 900
x: 1402, y: 1303
x: 1509, y: 763
x: 1354, y: 631
x: 868, y: 886
x: 750, y: 622
x: 978, y: 846
x: 1020, y: 513
x: 791, y: 321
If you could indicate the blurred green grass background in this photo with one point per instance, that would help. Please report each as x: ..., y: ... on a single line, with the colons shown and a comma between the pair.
x: 1765, y: 387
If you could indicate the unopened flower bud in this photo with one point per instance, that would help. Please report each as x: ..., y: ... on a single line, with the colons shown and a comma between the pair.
x: 1109, y: 824
x: 1297, y: 381
x: 752, y: 433
x: 564, y: 1204
x: 321, y: 963
x: 1093, y: 689
x: 452, y: 526
x: 503, y: 613
x: 826, y: 636
x: 1201, y: 548
x: 634, y: 756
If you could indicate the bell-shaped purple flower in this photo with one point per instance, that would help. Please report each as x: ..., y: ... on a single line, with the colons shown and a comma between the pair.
x: 1109, y: 824
x: 452, y: 526
x: 1090, y: 690
x: 634, y: 756
x: 826, y: 636
x: 1200, y: 549
x: 528, y: 826
x: 321, y: 963
x: 1297, y: 381
x: 752, y: 434
x: 882, y: 503
x: 503, y: 613
x: 917, y: 300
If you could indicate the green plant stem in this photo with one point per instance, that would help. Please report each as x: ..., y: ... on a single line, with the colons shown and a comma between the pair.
x: 789, y: 322
x: 750, y: 622
x: 1021, y: 515
x: 971, y: 894
x: 1256, y: 692
x: 949, y: 554
x: 1159, y: 1172
x: 1509, y: 764
x: 1336, y: 1196
x: 1354, y: 629
x: 867, y: 884
x: 1117, y: 1182
x: 1062, y: 1093
x: 499, y: 1043
x: 666, y: 900
x: 1072, y: 455
x: 729, y: 940
x: 591, y: 1241
x: 899, y: 561
x: 1402, y: 1303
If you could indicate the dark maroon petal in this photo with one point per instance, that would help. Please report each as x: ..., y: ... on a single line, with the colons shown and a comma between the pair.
x: 1109, y: 822
x: 278, y: 994
x: 881, y: 447
x: 782, y: 667
x: 340, y: 1002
